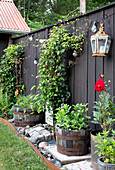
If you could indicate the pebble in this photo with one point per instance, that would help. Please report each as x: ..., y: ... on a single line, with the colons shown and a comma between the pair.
x: 56, y: 162
x: 45, y: 155
x: 42, y: 144
x: 11, y: 120
x: 22, y: 131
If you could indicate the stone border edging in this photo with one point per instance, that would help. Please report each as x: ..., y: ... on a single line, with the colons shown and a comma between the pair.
x: 50, y: 165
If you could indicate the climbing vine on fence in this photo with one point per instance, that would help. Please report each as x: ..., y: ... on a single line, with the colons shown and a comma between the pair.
x: 10, y: 72
x: 52, y: 87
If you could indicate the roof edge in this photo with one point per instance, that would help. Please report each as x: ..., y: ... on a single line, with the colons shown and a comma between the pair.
x: 13, y: 31
x: 70, y: 19
x: 6, y: 0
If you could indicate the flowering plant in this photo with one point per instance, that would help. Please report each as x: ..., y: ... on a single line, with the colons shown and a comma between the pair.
x: 104, y: 108
x: 106, y: 147
x: 72, y: 117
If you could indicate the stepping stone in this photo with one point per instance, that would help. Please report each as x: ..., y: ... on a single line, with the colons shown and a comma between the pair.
x: 64, y: 159
x: 82, y: 165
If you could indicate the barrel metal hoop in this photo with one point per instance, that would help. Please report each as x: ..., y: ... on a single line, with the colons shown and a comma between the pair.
x: 70, y: 149
x: 25, y: 122
x: 18, y: 125
x: 75, y: 138
x: 70, y: 153
x: 21, y: 113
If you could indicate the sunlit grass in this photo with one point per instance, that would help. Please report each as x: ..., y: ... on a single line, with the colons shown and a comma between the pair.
x: 16, y: 154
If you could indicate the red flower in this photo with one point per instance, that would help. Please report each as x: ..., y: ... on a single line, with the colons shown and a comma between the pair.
x: 99, y: 85
x: 101, y: 76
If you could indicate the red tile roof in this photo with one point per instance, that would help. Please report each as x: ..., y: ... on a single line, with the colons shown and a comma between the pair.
x: 10, y: 18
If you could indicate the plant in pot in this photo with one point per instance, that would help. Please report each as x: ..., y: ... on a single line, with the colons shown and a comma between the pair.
x: 103, y: 115
x: 28, y: 111
x: 106, y: 150
x: 72, y: 132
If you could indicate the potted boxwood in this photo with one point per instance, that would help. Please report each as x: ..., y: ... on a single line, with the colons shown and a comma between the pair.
x: 28, y: 111
x: 106, y: 150
x: 72, y: 132
x: 103, y: 115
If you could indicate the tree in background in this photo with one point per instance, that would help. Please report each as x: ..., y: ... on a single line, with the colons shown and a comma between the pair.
x: 40, y: 13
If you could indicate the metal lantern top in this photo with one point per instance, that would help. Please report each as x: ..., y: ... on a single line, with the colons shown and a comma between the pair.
x: 100, y: 42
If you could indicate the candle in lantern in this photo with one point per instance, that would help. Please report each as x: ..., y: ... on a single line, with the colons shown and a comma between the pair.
x: 101, y: 49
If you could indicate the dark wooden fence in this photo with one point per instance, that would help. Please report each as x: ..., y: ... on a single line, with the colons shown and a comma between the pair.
x: 85, y: 73
x: 4, y: 39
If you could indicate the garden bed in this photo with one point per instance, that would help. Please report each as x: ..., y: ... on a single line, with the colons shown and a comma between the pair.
x: 56, y: 159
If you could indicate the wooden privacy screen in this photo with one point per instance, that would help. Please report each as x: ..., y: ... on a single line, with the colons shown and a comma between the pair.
x: 85, y: 73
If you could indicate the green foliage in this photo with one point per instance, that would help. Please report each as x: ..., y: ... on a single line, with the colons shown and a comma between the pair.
x: 16, y: 154
x: 92, y: 4
x: 104, y: 114
x: 49, y: 12
x: 30, y: 101
x: 5, y: 103
x: 9, y: 61
x: 51, y: 67
x: 24, y: 101
x: 106, y: 146
x: 34, y: 25
x: 72, y: 118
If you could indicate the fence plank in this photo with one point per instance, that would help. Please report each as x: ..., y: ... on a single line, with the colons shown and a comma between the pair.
x: 94, y: 64
x: 71, y: 70
x: 40, y: 35
x: 4, y: 38
x: 113, y: 49
x: 108, y: 61
x: 81, y: 70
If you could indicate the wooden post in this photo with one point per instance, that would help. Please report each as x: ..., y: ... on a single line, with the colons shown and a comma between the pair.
x: 82, y: 6
x: 10, y: 40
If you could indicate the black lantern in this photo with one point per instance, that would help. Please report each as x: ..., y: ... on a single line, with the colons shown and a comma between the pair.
x: 100, y: 43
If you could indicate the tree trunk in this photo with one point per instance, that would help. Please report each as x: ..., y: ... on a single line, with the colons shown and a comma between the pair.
x: 28, y: 10
x: 24, y: 9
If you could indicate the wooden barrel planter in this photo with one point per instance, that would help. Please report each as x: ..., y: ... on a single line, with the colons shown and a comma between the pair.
x: 24, y: 117
x: 72, y: 142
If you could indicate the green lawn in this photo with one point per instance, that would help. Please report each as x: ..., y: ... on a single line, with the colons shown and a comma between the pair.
x: 16, y: 154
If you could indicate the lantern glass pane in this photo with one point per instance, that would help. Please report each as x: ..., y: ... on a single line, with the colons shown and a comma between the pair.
x: 108, y: 46
x: 101, y: 46
x: 93, y: 44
